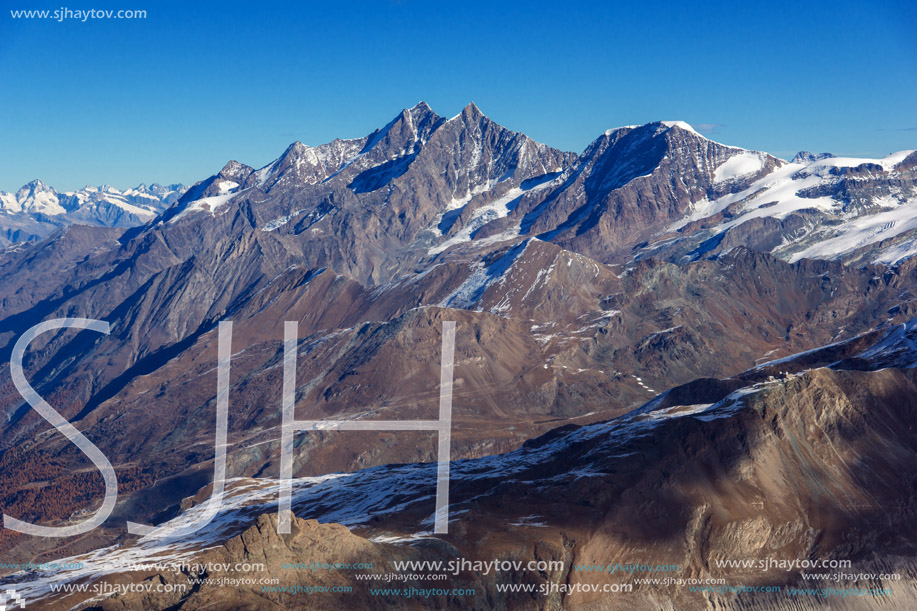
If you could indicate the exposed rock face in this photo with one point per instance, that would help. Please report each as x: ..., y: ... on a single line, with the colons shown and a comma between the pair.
x: 309, y: 544
x: 631, y: 182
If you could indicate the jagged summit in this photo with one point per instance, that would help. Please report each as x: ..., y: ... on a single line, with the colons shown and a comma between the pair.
x: 235, y: 170
x: 295, y: 149
x: 472, y: 111
x: 420, y: 106
x: 805, y: 157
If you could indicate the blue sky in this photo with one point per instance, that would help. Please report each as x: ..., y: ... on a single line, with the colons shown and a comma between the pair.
x: 172, y: 97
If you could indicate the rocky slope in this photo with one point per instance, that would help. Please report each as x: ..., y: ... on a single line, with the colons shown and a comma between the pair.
x: 545, y: 337
x: 814, y: 463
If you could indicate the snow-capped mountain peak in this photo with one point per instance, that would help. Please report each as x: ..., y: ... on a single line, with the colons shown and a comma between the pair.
x: 37, y: 197
x: 236, y: 171
x: 680, y: 125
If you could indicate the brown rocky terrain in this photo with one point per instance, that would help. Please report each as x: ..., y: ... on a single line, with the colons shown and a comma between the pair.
x: 551, y: 338
x: 816, y: 464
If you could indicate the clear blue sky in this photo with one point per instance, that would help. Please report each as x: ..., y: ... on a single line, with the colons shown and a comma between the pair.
x: 173, y: 97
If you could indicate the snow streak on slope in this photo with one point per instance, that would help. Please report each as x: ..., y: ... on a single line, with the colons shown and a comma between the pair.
x: 496, y: 209
x: 773, y: 195
x: 482, y: 276
x: 207, y: 204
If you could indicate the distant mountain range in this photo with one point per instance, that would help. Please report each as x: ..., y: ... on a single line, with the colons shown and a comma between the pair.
x: 653, y: 272
x: 37, y: 210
